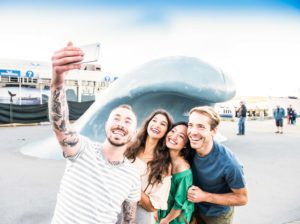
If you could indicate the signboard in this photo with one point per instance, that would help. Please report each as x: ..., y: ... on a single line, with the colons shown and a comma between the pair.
x: 29, y: 74
x: 6, y: 72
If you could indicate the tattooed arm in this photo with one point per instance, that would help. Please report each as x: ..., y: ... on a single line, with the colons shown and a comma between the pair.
x: 59, y: 116
x: 62, y: 62
x: 129, y: 211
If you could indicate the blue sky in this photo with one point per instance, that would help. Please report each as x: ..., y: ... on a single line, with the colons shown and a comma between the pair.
x: 165, y: 3
x: 253, y: 41
x: 162, y: 7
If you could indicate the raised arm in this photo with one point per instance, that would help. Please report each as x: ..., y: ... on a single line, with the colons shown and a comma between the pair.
x: 58, y: 107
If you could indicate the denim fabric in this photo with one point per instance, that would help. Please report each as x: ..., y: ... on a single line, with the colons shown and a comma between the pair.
x: 242, y: 125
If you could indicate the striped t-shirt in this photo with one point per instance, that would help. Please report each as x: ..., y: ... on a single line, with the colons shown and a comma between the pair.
x: 92, y: 190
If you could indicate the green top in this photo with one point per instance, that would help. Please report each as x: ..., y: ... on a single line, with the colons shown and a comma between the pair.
x: 180, y: 184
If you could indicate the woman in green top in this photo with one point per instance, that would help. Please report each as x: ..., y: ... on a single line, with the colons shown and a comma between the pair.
x: 179, y: 208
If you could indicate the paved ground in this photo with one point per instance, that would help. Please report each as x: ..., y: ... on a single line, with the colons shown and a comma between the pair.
x: 272, y: 168
x: 28, y: 186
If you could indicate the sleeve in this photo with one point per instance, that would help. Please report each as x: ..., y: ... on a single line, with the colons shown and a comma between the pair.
x: 159, y: 194
x: 234, y: 176
x: 181, y: 202
x: 135, y: 193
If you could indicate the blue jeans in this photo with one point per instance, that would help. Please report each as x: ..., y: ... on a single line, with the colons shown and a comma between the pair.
x: 242, y: 125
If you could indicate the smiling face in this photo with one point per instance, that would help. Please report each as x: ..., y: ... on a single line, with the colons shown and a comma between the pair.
x: 177, y: 137
x: 157, y: 126
x: 120, y: 126
x: 200, y: 132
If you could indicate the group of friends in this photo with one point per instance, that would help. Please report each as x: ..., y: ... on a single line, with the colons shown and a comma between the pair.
x: 167, y: 172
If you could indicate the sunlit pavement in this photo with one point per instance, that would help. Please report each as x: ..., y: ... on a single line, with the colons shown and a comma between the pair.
x: 28, y: 186
x: 272, y: 164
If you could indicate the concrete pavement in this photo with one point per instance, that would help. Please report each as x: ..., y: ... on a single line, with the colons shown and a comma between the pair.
x: 271, y: 164
x: 28, y: 186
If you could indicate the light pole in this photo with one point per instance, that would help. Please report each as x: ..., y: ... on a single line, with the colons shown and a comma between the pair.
x: 10, y: 106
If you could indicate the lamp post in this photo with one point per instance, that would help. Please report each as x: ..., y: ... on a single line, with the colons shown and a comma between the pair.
x: 10, y: 106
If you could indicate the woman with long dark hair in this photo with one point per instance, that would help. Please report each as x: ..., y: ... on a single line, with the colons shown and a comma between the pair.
x: 153, y: 162
x: 179, y: 210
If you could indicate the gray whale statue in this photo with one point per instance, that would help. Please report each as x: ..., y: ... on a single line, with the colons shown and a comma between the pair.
x: 175, y: 83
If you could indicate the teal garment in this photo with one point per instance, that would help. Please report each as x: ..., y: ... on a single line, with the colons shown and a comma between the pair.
x: 278, y: 113
x: 180, y: 184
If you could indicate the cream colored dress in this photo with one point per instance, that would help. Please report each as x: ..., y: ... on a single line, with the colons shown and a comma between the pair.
x: 158, y: 193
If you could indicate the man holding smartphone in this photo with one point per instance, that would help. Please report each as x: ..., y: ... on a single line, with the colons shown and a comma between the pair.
x: 90, y: 189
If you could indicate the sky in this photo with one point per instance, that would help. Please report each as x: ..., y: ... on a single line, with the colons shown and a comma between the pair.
x: 255, y: 42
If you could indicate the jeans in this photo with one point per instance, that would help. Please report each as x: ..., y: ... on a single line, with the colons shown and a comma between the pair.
x: 242, y: 125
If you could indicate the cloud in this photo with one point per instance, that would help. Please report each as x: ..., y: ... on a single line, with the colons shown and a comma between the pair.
x: 254, y: 49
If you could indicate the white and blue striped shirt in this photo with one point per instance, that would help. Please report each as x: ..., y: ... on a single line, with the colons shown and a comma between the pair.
x: 92, y: 190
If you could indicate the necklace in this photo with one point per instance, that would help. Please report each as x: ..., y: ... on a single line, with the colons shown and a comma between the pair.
x: 116, y: 163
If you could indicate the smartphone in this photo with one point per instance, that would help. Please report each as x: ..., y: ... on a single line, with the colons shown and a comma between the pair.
x: 91, y: 52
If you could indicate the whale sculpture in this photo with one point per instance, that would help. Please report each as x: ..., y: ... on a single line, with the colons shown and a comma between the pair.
x: 175, y: 83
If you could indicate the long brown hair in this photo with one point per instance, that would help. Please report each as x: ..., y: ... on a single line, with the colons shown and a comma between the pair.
x: 159, y: 166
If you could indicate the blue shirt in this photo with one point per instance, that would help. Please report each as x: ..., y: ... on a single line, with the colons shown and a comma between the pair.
x: 218, y: 172
x: 279, y: 113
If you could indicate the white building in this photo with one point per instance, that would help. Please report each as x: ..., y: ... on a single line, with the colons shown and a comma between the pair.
x: 30, y: 80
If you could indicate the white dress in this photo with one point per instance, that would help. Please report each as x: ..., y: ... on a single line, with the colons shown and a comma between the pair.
x: 157, y: 193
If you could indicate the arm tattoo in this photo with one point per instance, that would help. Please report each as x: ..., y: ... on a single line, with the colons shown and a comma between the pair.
x: 59, y: 109
x: 129, y: 210
x: 71, y: 139
x: 59, y: 117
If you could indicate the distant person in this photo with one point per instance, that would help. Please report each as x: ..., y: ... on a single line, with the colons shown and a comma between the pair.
x: 98, y: 179
x: 290, y: 112
x: 153, y: 164
x: 179, y: 210
x: 279, y: 115
x: 219, y: 182
x: 294, y: 117
x: 242, y: 114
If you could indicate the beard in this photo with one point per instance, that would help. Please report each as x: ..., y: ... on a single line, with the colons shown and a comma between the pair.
x: 114, y: 142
